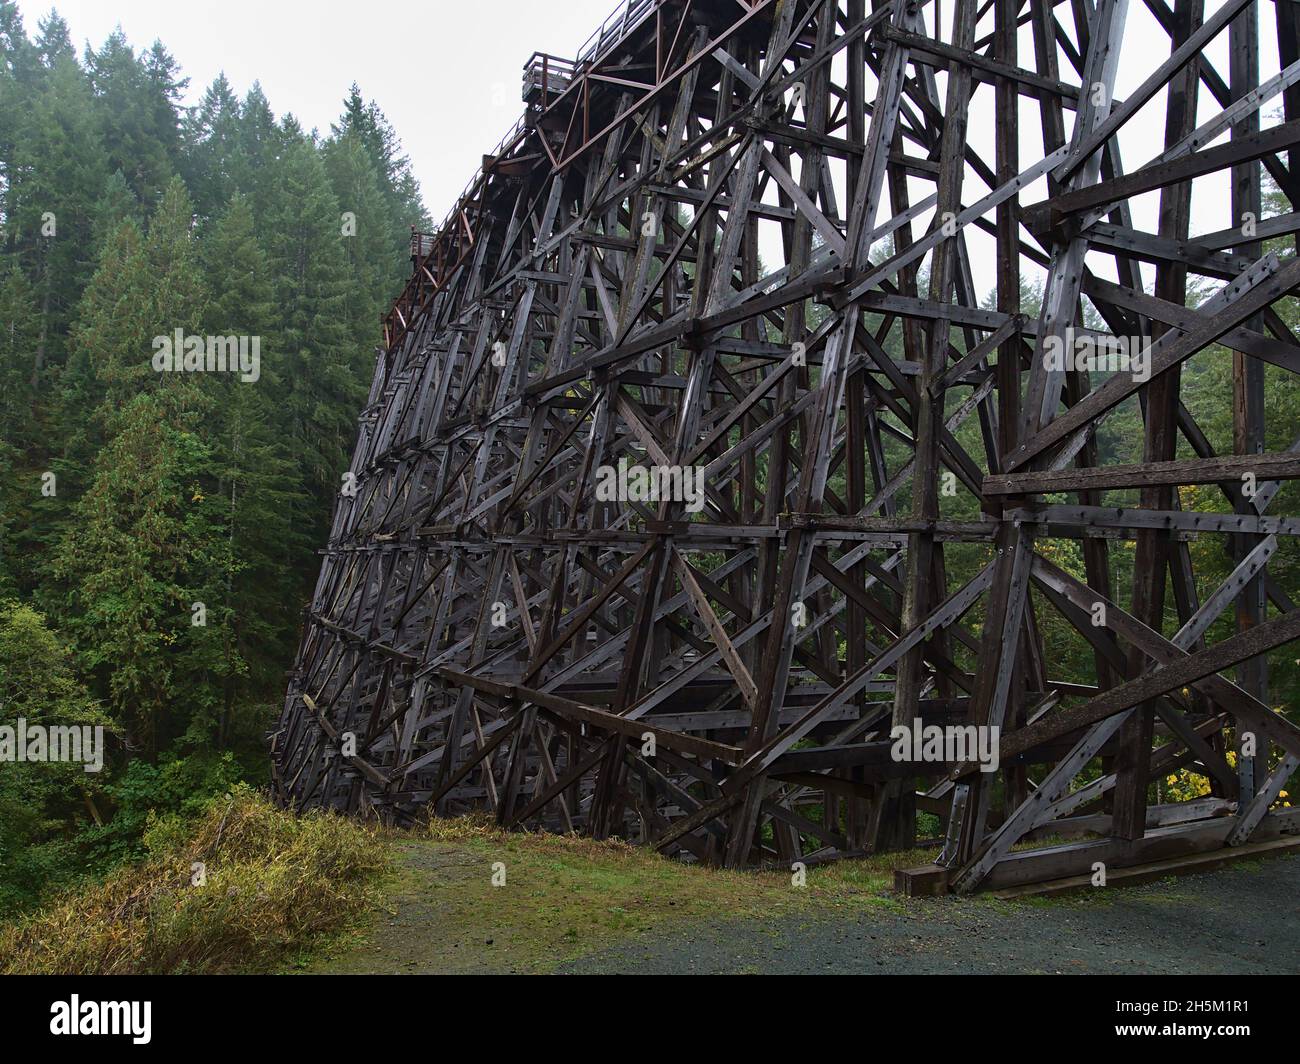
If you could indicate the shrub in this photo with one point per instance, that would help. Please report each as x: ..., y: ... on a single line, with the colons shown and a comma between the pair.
x: 274, y: 882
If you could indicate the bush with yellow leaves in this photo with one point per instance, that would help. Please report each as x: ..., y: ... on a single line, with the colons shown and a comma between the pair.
x: 1184, y: 785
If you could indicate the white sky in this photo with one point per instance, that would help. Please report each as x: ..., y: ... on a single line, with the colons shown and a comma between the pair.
x: 446, y: 72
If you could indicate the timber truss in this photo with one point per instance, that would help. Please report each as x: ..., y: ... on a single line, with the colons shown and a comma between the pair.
x: 745, y: 238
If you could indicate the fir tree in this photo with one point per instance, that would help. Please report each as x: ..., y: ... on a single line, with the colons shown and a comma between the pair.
x: 112, y: 337
x: 20, y: 330
x: 212, y: 143
x: 171, y: 490
x: 54, y: 41
x: 117, y: 204
x: 145, y: 550
x: 261, y: 144
x: 18, y: 65
x: 401, y: 191
x: 322, y: 375
x: 19, y: 477
x: 257, y: 477
x: 136, y: 102
x: 367, y: 231
x: 178, y: 289
x: 57, y: 179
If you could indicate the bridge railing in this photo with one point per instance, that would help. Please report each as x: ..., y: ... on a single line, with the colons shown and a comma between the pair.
x: 553, y: 71
x: 615, y: 28
x: 546, y: 77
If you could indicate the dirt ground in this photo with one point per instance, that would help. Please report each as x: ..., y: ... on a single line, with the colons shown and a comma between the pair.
x: 570, y: 913
x: 1233, y: 922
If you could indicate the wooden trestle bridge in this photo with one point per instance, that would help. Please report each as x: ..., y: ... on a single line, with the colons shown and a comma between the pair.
x: 797, y: 245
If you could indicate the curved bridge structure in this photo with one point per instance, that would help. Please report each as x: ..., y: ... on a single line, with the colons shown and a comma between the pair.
x: 789, y: 448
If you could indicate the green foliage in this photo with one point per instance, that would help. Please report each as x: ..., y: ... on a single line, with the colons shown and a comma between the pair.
x: 356, y: 186
x: 19, y: 335
x: 323, y: 375
x: 129, y: 497
x: 56, y: 172
x: 42, y: 805
x: 145, y: 547
x: 136, y: 101
x: 367, y: 123
x: 177, y: 786
x: 256, y: 478
x: 212, y: 159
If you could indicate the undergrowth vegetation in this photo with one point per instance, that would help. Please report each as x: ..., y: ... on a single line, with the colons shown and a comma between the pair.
x: 239, y: 890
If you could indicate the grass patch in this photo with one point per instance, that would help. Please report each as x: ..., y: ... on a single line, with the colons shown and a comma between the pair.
x: 566, y: 896
x: 275, y: 884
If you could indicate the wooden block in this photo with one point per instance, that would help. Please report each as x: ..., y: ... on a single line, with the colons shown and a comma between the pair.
x: 927, y: 881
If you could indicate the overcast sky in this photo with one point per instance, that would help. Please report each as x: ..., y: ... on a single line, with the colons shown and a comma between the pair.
x: 446, y: 72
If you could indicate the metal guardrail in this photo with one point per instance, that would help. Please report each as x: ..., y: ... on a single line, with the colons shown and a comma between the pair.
x: 615, y: 28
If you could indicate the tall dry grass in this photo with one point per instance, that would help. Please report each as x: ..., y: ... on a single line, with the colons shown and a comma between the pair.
x: 274, y: 883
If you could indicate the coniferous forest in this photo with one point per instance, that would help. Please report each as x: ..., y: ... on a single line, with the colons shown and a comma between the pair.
x: 158, y: 530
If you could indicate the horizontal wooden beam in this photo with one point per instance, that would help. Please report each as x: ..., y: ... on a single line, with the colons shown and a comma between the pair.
x: 1236, y: 468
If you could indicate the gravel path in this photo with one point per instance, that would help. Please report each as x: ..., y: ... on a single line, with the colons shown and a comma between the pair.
x: 1244, y: 920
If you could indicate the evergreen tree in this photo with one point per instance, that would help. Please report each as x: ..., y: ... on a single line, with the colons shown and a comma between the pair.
x: 237, y: 272
x: 19, y: 335
x: 110, y: 348
x: 166, y: 91
x: 397, y: 182
x: 41, y: 804
x: 212, y: 147
x: 261, y: 144
x: 172, y: 250
x: 19, y: 480
x: 116, y: 205
x: 367, y: 232
x: 18, y: 64
x: 57, y: 179
x: 143, y: 290
x: 322, y: 375
x: 54, y: 41
x: 257, y: 477
x: 137, y: 105
x: 112, y: 337
x: 119, y: 224
x: 145, y: 549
